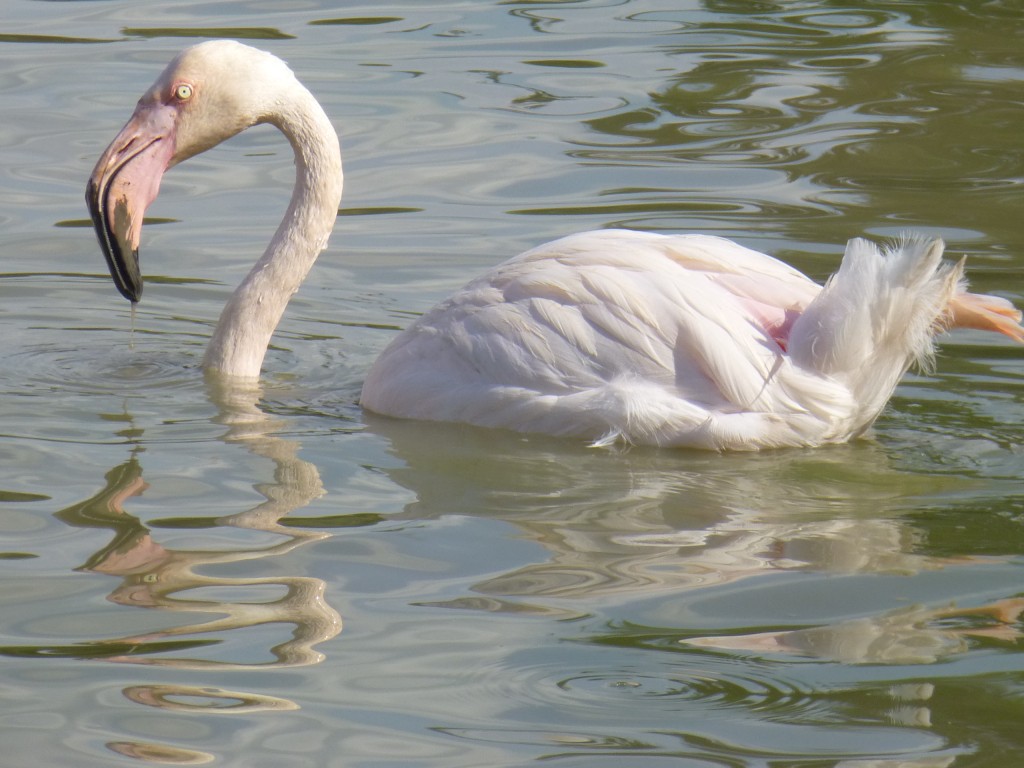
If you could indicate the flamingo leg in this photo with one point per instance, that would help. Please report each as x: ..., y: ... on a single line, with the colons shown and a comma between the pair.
x: 985, y: 313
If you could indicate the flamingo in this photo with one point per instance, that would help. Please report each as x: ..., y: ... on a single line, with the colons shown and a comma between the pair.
x: 608, y: 336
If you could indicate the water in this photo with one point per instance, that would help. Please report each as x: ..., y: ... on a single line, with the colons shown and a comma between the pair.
x: 274, y: 578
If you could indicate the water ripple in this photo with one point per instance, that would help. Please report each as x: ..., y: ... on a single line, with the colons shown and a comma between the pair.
x: 724, y: 684
x: 766, y: 693
x: 86, y: 362
x: 712, y: 707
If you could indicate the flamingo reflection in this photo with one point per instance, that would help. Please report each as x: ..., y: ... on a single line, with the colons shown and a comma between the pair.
x: 645, y: 523
x: 154, y: 576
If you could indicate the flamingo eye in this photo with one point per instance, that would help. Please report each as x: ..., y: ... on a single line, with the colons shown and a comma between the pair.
x: 183, y: 92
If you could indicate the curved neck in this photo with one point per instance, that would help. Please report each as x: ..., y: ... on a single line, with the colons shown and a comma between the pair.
x: 250, y: 316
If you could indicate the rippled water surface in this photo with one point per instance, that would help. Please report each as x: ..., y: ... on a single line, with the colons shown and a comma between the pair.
x: 179, y: 562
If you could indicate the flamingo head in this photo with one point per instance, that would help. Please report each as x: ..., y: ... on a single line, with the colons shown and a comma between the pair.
x: 207, y: 94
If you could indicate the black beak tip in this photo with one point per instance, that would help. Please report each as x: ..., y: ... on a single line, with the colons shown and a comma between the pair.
x: 126, y: 274
x: 122, y: 259
x: 131, y: 292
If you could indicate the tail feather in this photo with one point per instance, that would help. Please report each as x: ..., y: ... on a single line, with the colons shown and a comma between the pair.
x: 876, y: 316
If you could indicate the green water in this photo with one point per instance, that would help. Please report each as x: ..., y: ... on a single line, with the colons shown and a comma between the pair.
x: 199, y: 577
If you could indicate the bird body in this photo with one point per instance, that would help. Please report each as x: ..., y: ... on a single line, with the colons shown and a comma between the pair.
x: 611, y: 335
x: 677, y: 340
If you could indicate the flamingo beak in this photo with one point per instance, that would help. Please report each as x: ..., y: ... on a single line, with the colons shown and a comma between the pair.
x: 124, y: 183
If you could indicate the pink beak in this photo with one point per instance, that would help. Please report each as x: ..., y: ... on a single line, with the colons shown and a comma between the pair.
x: 124, y: 183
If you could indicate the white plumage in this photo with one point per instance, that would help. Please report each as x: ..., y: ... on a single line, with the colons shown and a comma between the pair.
x: 680, y: 340
x: 675, y: 340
